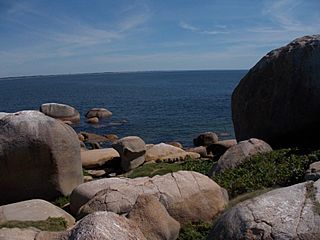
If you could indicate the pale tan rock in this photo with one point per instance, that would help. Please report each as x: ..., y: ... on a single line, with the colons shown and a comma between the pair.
x: 33, y: 210
x: 93, y: 120
x: 96, y: 173
x: 98, y: 113
x: 187, y: 196
x: 98, y: 157
x: 167, y: 153
x: 18, y: 234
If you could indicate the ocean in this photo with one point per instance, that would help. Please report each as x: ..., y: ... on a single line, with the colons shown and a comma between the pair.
x: 157, y: 106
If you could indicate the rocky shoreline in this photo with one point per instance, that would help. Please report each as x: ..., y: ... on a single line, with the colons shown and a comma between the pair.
x: 44, y: 161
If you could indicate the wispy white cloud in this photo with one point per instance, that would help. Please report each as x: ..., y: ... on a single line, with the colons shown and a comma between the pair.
x: 219, y: 29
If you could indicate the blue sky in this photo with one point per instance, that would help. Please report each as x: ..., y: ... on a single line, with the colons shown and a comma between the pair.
x: 77, y: 36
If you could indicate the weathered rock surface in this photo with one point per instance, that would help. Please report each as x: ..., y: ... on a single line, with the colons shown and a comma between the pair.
x: 131, y: 150
x: 3, y: 114
x: 205, y: 139
x: 220, y: 147
x: 98, y: 157
x: 285, y: 213
x: 175, y: 144
x: 187, y: 196
x: 313, y: 173
x: 39, y: 157
x: 167, y: 153
x: 153, y: 219
x: 279, y: 98
x: 111, y: 137
x: 93, y: 120
x: 92, y: 137
x: 202, y: 151
x: 98, y: 113
x: 236, y: 155
x: 18, y: 234
x: 61, y: 111
x: 33, y: 210
x: 106, y: 226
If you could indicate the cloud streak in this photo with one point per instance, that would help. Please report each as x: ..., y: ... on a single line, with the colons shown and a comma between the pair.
x: 187, y: 26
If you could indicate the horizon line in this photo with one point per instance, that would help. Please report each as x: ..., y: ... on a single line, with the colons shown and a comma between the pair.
x: 116, y: 72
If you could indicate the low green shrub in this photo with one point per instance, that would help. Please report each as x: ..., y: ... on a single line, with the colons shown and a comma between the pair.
x: 51, y: 224
x: 277, y: 168
x: 192, y: 231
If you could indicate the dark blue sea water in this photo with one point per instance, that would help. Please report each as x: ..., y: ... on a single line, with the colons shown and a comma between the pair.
x: 158, y: 106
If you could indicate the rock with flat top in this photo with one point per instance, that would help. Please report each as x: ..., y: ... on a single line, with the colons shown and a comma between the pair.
x: 98, y: 157
x: 153, y: 219
x: 98, y: 113
x: 278, y: 100
x: 106, y: 226
x: 285, y: 213
x: 39, y: 157
x: 187, y: 196
x: 131, y: 150
x: 61, y: 111
x: 33, y: 210
x: 167, y: 153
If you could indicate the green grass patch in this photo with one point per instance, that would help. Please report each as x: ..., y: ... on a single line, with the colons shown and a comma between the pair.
x: 192, y: 231
x: 51, y: 224
x: 61, y: 201
x: 283, y: 167
x: 152, y: 169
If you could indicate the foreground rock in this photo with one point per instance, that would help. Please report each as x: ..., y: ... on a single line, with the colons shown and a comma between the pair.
x: 106, y: 226
x: 278, y: 98
x: 32, y: 165
x: 98, y: 113
x: 98, y: 157
x: 167, y: 153
x: 285, y: 213
x: 33, y: 210
x: 153, y: 219
x: 18, y: 234
x: 205, y: 139
x: 187, y: 196
x: 61, y: 111
x: 313, y: 173
x: 236, y: 155
x: 131, y: 150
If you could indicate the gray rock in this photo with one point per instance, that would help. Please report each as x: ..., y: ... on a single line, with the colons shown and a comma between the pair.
x: 220, y: 147
x: 131, y: 150
x: 33, y: 210
x: 205, y: 139
x: 278, y: 100
x: 106, y: 226
x: 99, y: 113
x: 236, y: 155
x: 61, y: 111
x: 285, y: 213
x: 313, y: 173
x: 39, y: 157
x: 187, y: 196
x: 18, y: 234
x: 153, y: 219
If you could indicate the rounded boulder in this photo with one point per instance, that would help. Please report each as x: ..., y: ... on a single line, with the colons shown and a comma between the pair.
x: 61, y: 111
x: 39, y: 157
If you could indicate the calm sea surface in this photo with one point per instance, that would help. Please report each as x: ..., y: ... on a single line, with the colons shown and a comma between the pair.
x: 158, y: 106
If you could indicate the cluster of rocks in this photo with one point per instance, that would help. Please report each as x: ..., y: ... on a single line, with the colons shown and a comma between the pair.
x: 70, y: 115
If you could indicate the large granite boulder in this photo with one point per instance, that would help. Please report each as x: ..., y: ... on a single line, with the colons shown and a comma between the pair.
x: 278, y: 100
x: 131, y: 150
x: 285, y: 213
x: 61, y: 111
x: 153, y: 219
x: 205, y: 139
x: 238, y: 153
x: 18, y: 234
x: 167, y: 153
x: 187, y: 196
x: 98, y: 113
x: 98, y: 157
x: 39, y: 157
x: 106, y: 226
x: 33, y: 210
